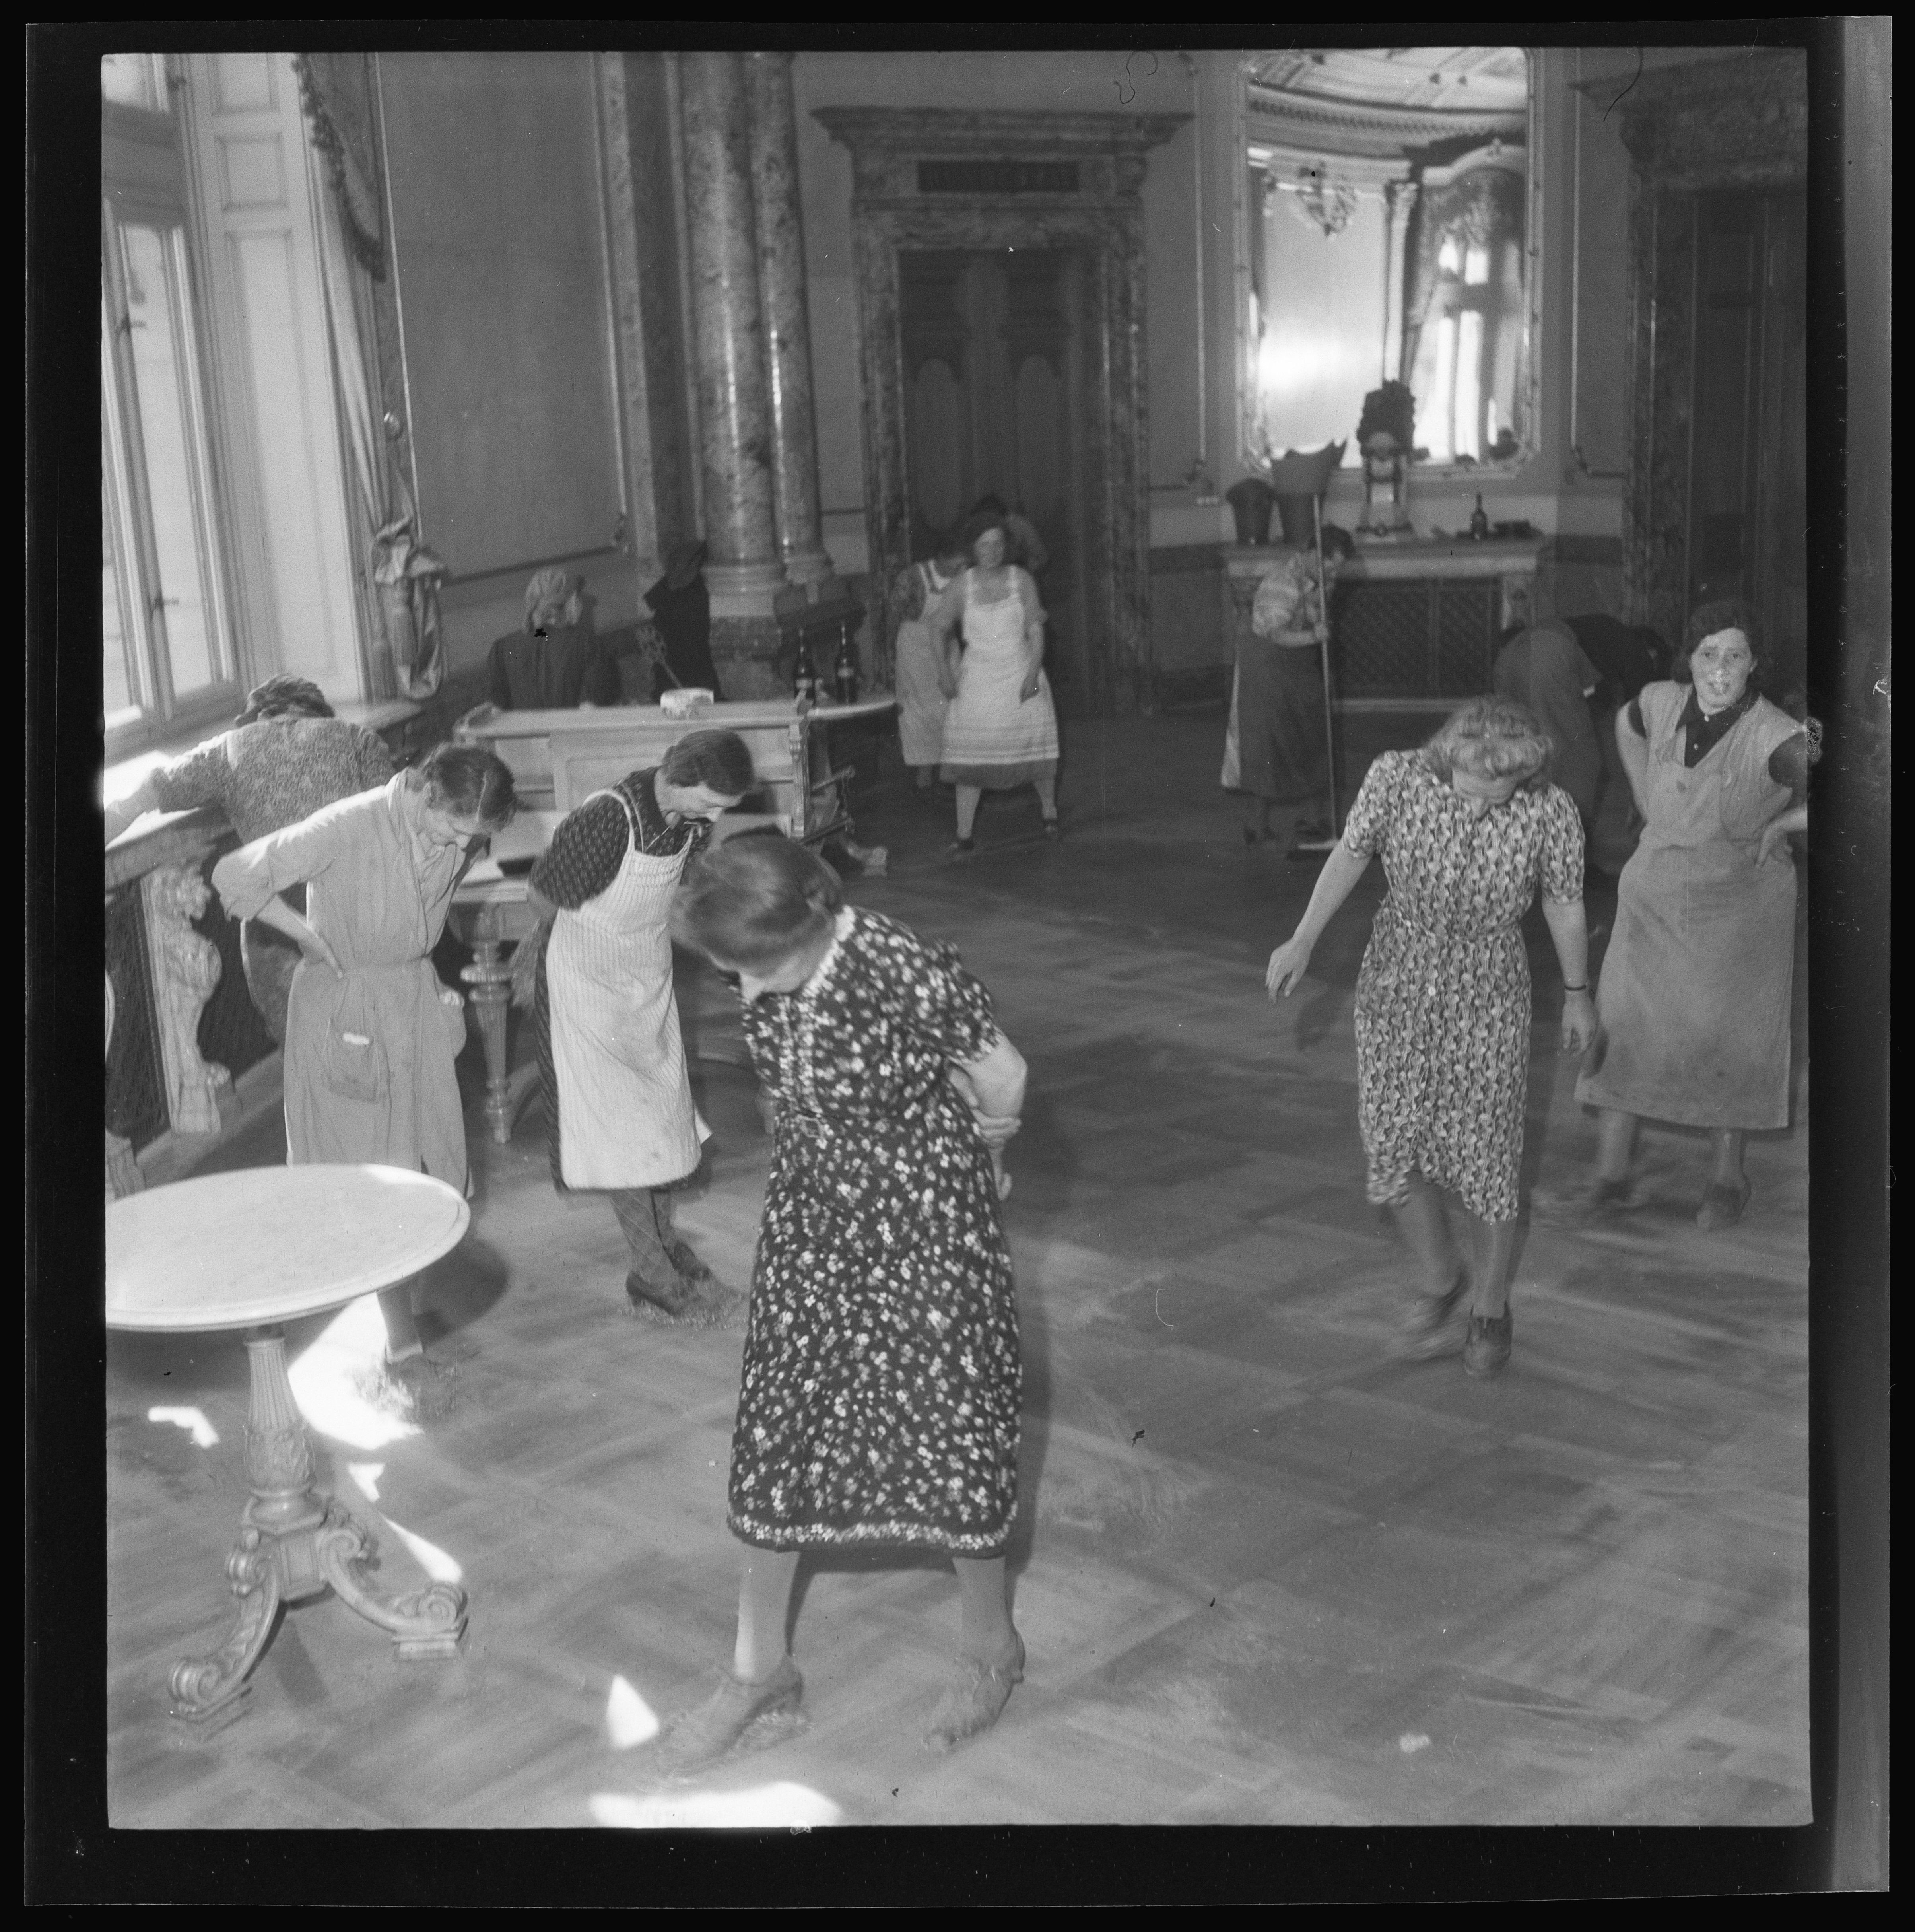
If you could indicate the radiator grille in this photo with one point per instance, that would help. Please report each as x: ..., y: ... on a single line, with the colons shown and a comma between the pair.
x: 1434, y: 639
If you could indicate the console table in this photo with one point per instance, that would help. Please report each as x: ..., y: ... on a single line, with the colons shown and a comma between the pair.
x: 1414, y: 624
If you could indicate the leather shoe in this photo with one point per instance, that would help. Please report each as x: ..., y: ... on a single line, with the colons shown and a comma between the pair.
x: 1486, y: 1348
x: 1427, y: 1330
x: 1721, y: 1207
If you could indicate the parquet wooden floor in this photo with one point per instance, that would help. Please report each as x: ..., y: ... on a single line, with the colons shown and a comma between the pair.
x: 1265, y: 1573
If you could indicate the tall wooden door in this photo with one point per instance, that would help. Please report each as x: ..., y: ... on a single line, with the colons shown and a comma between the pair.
x: 1748, y: 467
x: 993, y: 343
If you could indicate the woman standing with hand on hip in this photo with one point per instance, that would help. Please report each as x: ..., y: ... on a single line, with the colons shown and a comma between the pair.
x: 1001, y: 730
x: 882, y: 1378
x: 619, y: 1113
x: 371, y: 1034
x: 1468, y: 828
x: 1697, y: 980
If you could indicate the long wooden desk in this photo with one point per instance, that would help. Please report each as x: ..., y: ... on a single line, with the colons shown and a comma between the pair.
x: 558, y: 758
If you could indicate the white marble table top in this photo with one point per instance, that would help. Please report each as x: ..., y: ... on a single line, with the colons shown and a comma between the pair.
x: 267, y: 1243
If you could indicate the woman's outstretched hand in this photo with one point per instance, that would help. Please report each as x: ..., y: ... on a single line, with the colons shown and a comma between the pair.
x: 1288, y: 964
x: 1578, y: 1021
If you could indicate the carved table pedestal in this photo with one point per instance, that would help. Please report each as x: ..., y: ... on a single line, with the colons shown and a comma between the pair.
x: 250, y: 1250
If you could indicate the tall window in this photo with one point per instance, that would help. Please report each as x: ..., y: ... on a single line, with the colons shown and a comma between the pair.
x: 168, y: 653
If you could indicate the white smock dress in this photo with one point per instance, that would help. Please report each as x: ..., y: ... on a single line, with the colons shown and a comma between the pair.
x: 993, y: 738
x: 618, y: 1059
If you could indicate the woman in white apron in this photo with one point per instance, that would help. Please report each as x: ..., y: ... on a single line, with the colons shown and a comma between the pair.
x: 1001, y: 730
x: 619, y: 1116
x: 920, y: 662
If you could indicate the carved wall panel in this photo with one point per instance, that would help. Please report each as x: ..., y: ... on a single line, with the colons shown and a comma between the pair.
x: 901, y: 201
x: 1689, y: 131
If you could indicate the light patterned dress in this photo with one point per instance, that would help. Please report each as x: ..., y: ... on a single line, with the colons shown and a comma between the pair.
x: 1443, y: 1001
x: 882, y: 1378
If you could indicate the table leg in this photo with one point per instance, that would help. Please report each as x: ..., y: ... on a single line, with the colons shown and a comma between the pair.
x: 490, y: 979
x: 293, y: 1543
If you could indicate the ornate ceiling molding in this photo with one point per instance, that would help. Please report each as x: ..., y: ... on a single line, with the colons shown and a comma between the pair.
x: 1374, y: 132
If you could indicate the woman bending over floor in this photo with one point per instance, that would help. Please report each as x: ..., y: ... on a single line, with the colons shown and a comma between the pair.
x: 879, y: 1401
x: 1468, y: 828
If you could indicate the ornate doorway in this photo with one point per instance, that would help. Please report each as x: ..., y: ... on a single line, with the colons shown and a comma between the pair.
x: 1002, y: 186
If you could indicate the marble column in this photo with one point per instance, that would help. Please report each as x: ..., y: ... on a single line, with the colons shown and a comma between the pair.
x: 743, y: 572
x: 774, y: 126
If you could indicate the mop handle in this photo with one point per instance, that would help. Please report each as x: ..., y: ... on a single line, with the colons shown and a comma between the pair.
x: 1330, y: 709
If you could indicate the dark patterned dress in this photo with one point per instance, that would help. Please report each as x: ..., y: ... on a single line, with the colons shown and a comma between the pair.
x: 881, y: 1372
x: 265, y: 776
x: 587, y: 850
x: 1442, y: 999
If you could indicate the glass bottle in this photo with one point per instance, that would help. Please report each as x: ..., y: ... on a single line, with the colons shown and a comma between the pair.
x: 804, y: 673
x: 844, y: 671
x: 1479, y: 520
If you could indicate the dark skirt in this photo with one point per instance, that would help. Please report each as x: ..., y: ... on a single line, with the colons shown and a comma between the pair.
x: 1282, y: 749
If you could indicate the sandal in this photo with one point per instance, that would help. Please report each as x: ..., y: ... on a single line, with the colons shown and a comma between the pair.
x: 961, y: 848
x: 972, y: 1702
x: 698, y: 1737
x: 1721, y: 1207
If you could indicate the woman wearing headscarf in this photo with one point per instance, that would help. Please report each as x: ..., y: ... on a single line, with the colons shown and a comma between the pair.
x: 681, y: 607
x: 285, y: 756
x: 1697, y: 983
x: 1470, y: 830
x: 552, y: 662
x: 371, y: 1032
x: 1000, y: 732
x: 619, y: 1113
x: 1276, y: 746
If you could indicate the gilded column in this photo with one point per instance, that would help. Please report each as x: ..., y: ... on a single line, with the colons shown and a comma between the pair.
x: 774, y: 136
x: 729, y: 354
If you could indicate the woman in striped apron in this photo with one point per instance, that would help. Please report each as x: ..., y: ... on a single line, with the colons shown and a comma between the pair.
x: 619, y: 1116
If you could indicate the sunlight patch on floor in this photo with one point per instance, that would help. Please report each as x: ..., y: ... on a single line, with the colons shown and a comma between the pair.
x: 330, y: 1380
x: 192, y: 1421
x: 629, y: 1719
x: 794, y: 1808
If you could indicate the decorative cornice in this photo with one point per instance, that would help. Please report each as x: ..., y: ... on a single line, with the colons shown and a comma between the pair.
x: 1716, y: 116
x: 1377, y: 131
x: 936, y: 133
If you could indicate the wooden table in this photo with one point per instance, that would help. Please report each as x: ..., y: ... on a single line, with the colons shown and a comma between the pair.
x: 252, y: 1250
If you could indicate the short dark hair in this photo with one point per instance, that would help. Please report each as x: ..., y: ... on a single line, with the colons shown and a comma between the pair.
x: 1338, y: 542
x: 719, y: 760
x: 471, y: 781
x: 284, y: 696
x: 1721, y: 613
x: 981, y: 520
x: 751, y: 903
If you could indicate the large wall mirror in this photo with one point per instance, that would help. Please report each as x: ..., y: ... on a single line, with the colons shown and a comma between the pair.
x: 1388, y: 233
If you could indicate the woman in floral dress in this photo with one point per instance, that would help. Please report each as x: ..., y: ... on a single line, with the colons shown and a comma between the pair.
x: 879, y: 1402
x: 1468, y: 828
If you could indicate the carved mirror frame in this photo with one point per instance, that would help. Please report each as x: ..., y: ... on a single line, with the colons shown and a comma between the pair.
x: 1369, y: 173
x: 896, y: 205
